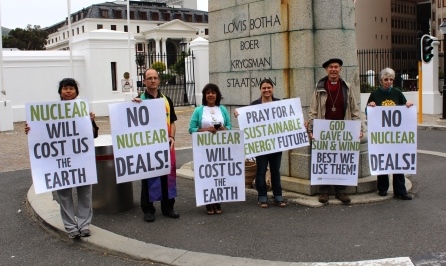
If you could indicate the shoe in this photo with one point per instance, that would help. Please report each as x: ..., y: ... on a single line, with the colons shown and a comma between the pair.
x: 323, y: 198
x: 210, y: 209
x: 382, y: 193
x: 263, y: 205
x: 343, y: 197
x: 74, y: 235
x: 149, y: 217
x: 217, y: 208
x: 171, y: 214
x: 85, y: 233
x: 281, y: 204
x: 404, y: 197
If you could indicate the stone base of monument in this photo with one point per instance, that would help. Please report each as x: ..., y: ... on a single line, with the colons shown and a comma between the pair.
x: 302, y: 186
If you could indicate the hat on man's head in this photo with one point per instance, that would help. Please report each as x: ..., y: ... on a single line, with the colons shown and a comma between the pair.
x: 332, y: 60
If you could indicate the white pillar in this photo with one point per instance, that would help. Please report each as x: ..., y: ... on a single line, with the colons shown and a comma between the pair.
x: 163, y: 48
x: 157, y: 46
x: 200, y: 49
x: 432, y: 100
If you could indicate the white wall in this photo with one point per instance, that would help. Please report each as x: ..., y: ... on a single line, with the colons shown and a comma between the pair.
x: 33, y: 76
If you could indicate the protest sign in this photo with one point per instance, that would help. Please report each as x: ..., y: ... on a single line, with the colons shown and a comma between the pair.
x: 219, y: 166
x: 392, y: 139
x: 140, y: 140
x: 272, y: 127
x: 335, y: 152
x: 61, y: 145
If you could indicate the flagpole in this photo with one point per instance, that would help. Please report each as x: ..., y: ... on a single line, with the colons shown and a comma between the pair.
x: 70, y: 36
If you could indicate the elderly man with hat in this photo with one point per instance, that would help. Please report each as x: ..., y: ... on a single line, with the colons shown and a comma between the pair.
x: 333, y: 99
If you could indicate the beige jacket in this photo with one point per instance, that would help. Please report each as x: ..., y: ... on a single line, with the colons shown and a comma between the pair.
x: 319, y: 98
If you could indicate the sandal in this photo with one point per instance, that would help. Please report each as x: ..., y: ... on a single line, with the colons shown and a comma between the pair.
x: 280, y: 204
x: 217, y: 208
x: 263, y: 204
x: 209, y: 209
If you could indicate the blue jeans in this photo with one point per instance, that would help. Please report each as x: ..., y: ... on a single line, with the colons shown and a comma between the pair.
x: 273, y: 159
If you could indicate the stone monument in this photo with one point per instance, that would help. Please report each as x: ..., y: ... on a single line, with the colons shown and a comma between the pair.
x: 286, y: 41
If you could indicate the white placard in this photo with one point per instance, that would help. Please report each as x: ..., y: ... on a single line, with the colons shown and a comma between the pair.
x: 272, y: 127
x: 335, y: 152
x: 392, y: 139
x: 61, y: 145
x: 219, y: 167
x: 140, y: 140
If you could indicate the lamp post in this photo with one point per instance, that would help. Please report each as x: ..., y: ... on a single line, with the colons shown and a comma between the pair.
x: 183, y: 46
x: 443, y: 31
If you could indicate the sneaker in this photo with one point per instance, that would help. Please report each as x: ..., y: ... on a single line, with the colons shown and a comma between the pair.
x: 74, y: 234
x: 343, y: 197
x: 85, y: 233
x: 323, y: 198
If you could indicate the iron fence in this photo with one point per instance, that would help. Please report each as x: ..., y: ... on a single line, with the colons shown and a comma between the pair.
x: 176, y: 73
x: 403, y: 61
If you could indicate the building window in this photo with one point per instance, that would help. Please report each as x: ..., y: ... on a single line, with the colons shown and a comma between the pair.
x: 117, y: 13
x: 99, y: 26
x: 77, y: 31
x: 137, y: 29
x: 72, y: 32
x: 206, y: 31
x: 199, y: 18
x: 83, y: 30
x: 444, y: 3
x: 166, y: 16
x: 189, y: 18
x: 114, y: 76
x: 113, y: 27
x: 143, y: 15
x: 104, y: 13
x: 63, y: 35
x: 155, y: 16
x: 139, y: 47
x: 132, y: 14
x: 126, y: 29
x: 177, y: 16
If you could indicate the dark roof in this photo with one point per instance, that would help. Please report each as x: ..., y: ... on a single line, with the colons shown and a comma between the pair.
x: 95, y: 11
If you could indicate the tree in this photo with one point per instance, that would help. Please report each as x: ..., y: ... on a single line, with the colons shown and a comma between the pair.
x: 31, y: 38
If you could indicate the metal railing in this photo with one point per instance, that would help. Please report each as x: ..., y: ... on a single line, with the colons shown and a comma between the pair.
x: 176, y: 75
x: 403, y: 61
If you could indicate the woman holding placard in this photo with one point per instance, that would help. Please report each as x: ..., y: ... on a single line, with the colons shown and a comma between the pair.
x: 210, y: 117
x: 273, y: 159
x: 76, y: 222
x: 386, y: 95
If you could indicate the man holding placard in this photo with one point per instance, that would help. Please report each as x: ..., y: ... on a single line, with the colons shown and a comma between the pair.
x: 332, y: 99
x: 161, y: 188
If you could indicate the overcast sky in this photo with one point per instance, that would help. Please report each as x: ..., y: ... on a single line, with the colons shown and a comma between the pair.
x: 20, y: 13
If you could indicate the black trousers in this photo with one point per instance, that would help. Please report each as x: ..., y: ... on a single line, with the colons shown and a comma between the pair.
x: 399, y: 187
x: 166, y: 203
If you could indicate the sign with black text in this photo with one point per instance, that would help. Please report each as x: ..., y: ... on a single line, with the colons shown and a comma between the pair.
x: 61, y: 145
x: 272, y: 127
x: 392, y: 136
x: 140, y: 140
x: 219, y: 167
x: 335, y: 152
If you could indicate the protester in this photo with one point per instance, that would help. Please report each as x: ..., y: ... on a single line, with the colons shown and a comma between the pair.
x: 273, y: 159
x: 76, y: 221
x: 386, y: 95
x: 161, y: 188
x: 211, y: 117
x: 333, y: 99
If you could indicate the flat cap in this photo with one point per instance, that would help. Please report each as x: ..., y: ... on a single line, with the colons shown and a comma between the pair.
x: 332, y: 60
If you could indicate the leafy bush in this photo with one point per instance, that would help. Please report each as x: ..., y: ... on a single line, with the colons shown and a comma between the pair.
x: 159, y: 66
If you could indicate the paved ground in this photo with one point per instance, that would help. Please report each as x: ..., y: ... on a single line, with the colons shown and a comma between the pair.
x: 388, y: 229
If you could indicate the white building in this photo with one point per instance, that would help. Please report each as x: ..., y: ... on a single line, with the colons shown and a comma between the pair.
x: 157, y: 28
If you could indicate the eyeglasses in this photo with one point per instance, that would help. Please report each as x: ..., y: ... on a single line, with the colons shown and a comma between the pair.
x: 388, y: 79
x: 151, y: 78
